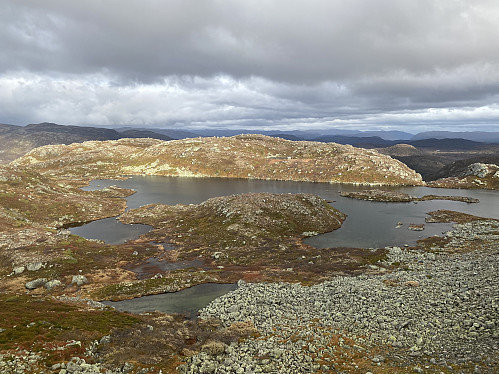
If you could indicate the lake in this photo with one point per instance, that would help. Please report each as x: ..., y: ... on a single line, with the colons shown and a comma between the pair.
x: 368, y: 225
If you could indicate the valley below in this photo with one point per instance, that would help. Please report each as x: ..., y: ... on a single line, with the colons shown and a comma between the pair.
x: 424, y: 304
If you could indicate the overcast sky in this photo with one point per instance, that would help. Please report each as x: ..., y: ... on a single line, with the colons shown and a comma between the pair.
x: 312, y: 64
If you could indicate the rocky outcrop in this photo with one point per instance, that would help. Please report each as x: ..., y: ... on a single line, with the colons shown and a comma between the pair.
x: 476, y: 175
x: 43, y: 282
x: 50, y: 285
x: 39, y: 282
x: 242, y: 156
x: 79, y: 280
x: 478, y: 170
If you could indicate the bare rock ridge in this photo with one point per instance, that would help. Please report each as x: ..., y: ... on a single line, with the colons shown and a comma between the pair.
x: 241, y: 156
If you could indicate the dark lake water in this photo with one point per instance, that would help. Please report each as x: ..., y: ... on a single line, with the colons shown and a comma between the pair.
x: 110, y: 230
x: 187, y: 301
x: 368, y: 225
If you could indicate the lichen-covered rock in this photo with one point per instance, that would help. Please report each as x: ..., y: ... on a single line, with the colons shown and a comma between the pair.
x: 18, y: 269
x: 50, y: 285
x: 477, y: 169
x: 34, y: 266
x: 79, y: 280
x: 39, y: 282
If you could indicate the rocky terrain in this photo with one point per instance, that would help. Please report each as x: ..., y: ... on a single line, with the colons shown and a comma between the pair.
x: 400, y: 197
x: 242, y: 156
x: 256, y: 237
x: 436, y: 313
x: 34, y: 210
x: 434, y: 308
x: 434, y: 162
x: 16, y: 141
x: 473, y: 176
x: 431, y: 308
x: 239, y: 224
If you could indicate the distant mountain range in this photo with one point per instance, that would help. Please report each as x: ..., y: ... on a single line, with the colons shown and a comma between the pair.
x: 477, y: 136
x: 378, y: 142
x: 369, y: 137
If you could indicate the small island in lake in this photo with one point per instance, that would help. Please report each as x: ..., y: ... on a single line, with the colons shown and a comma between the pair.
x: 400, y: 197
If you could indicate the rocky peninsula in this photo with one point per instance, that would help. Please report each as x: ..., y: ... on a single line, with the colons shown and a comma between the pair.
x: 255, y: 237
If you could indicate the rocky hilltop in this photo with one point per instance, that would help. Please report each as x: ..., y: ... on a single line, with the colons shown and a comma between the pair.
x: 472, y: 176
x: 242, y: 156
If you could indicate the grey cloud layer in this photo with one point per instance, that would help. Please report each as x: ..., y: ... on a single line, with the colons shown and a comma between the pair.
x: 282, y: 59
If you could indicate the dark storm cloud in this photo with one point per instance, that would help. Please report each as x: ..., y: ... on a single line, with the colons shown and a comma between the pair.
x: 254, y: 62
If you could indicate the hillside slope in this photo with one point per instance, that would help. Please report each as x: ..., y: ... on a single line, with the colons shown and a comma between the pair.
x: 241, y: 156
x: 15, y: 141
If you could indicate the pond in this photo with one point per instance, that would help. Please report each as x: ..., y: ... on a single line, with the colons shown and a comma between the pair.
x: 110, y: 230
x: 187, y: 301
